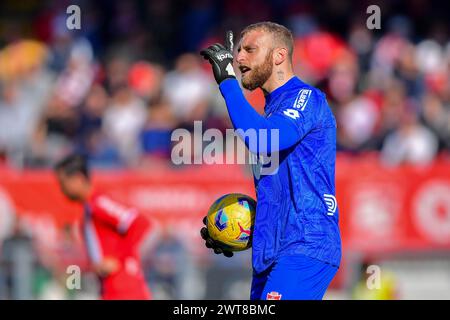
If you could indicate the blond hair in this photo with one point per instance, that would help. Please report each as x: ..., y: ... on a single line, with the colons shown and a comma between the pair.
x: 279, y: 33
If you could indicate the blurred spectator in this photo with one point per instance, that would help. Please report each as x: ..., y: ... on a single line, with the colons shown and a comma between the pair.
x: 17, y: 262
x: 156, y: 134
x: 410, y: 143
x: 357, y: 115
x: 188, y: 90
x: 124, y: 119
x: 436, y: 115
x: 24, y: 88
x: 386, y: 54
x: 57, y: 129
x: 13, y: 123
x: 91, y: 139
x: 146, y: 80
x: 361, y: 41
x: 407, y: 71
x: 116, y: 73
x: 393, y: 106
x: 19, y: 117
x: 76, y: 78
x: 91, y: 113
x: 167, y: 267
x: 358, y: 120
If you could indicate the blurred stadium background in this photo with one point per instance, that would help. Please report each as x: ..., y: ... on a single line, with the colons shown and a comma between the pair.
x: 116, y: 88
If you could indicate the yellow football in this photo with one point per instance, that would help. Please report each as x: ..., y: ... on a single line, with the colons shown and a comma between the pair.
x: 230, y: 221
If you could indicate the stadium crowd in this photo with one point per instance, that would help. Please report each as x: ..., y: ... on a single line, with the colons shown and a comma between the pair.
x: 118, y: 87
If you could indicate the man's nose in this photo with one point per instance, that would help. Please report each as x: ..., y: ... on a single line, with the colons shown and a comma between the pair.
x: 240, y: 58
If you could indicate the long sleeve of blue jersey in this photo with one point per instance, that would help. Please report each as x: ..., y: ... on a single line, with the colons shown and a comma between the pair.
x: 290, y: 129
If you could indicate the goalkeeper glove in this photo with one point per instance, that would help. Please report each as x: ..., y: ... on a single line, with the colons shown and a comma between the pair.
x: 221, y: 58
x: 212, y: 244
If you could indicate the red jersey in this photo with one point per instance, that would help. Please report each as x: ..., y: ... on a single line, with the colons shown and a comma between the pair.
x: 113, y: 230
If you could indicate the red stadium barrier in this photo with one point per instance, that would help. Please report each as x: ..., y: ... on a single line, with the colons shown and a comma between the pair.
x: 381, y: 209
x: 393, y: 209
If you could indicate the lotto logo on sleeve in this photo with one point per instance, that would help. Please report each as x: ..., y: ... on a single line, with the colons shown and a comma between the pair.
x: 273, y: 296
x: 302, y: 99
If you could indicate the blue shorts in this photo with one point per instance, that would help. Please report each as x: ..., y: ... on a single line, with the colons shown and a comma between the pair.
x: 295, y: 277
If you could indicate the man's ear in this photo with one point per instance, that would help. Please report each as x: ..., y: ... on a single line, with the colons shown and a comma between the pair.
x: 280, y: 55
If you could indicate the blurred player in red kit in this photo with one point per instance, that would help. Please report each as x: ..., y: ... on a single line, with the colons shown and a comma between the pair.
x: 111, y: 232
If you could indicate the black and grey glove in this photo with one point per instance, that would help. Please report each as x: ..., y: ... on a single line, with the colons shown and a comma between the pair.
x: 212, y: 244
x: 221, y: 58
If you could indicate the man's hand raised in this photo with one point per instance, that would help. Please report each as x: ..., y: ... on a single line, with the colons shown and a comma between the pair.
x: 221, y: 58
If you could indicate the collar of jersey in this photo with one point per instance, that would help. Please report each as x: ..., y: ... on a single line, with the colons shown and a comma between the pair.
x: 271, y: 97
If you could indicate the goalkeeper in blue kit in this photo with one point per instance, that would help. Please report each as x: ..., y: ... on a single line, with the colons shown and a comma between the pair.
x: 296, y: 239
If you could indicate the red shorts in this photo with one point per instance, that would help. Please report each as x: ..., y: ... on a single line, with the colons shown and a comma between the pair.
x: 128, y: 294
x: 126, y: 284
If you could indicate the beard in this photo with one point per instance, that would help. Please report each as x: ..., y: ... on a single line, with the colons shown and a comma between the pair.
x: 257, y: 76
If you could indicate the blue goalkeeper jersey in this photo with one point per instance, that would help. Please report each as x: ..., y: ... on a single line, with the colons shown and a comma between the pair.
x: 296, y: 210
